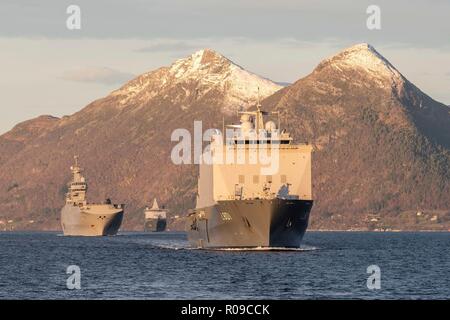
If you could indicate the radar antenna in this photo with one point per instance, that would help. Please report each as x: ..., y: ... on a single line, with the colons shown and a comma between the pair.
x: 259, y: 122
x: 259, y: 101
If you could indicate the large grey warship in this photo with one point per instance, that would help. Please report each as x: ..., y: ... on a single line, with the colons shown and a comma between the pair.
x: 80, y: 218
x: 237, y: 206
x: 155, y: 218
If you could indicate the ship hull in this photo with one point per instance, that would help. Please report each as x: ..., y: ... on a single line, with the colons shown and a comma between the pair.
x: 97, y: 221
x: 274, y: 223
x: 155, y: 225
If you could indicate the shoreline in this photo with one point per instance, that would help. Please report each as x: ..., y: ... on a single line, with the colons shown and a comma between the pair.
x: 182, y: 231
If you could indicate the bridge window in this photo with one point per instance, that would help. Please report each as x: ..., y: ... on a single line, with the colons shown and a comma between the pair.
x: 226, y: 216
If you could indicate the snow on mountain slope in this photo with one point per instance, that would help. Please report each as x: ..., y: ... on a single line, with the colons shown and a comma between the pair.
x: 365, y: 58
x: 203, y: 72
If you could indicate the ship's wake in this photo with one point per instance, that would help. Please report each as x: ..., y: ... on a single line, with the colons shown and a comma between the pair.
x: 304, y: 248
x: 259, y: 249
x: 172, y: 246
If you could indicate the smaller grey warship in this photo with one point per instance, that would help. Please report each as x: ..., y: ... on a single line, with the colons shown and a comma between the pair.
x: 80, y: 218
x: 155, y: 218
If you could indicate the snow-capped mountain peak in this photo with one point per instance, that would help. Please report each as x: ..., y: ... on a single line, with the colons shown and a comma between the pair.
x: 203, y: 72
x: 202, y: 61
x: 363, y: 57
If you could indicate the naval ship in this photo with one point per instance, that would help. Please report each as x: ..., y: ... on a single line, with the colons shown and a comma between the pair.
x: 237, y: 206
x: 155, y: 218
x: 80, y: 218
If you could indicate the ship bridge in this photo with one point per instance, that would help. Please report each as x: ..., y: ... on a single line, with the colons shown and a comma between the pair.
x: 256, y: 162
x: 253, y: 130
x: 77, y: 187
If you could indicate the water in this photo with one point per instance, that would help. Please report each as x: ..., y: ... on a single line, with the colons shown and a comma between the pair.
x: 330, y: 265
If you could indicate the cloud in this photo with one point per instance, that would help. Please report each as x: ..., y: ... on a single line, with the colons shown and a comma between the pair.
x: 171, y: 46
x: 283, y: 84
x: 412, y: 23
x: 101, y: 75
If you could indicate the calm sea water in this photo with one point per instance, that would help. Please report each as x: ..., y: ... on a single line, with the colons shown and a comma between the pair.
x: 331, y: 265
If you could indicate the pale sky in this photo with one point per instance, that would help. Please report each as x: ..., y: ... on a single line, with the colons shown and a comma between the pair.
x: 46, y: 68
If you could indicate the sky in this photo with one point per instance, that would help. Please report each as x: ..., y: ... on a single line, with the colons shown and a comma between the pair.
x: 47, y: 68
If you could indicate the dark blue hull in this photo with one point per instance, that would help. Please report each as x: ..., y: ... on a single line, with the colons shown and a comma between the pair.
x: 259, y: 223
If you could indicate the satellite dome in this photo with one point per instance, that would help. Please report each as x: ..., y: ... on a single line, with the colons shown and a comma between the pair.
x: 246, y: 126
x: 270, y: 126
x: 245, y: 118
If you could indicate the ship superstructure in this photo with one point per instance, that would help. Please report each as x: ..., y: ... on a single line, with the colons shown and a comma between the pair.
x: 155, y: 218
x: 80, y: 218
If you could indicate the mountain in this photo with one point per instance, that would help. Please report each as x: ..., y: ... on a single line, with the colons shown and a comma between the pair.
x: 17, y: 139
x: 204, y: 77
x: 123, y: 141
x: 382, y: 146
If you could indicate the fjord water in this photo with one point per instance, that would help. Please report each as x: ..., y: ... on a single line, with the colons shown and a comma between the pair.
x: 331, y: 265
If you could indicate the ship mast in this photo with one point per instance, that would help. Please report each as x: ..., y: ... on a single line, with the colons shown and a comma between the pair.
x: 252, y: 122
x: 259, y: 120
